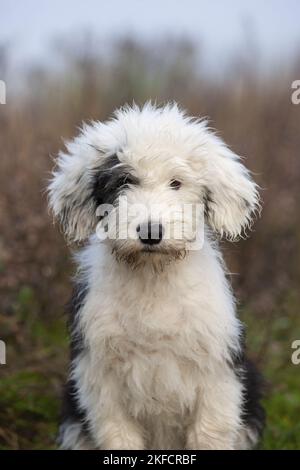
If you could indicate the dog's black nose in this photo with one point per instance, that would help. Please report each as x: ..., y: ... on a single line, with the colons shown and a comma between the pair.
x: 150, y: 233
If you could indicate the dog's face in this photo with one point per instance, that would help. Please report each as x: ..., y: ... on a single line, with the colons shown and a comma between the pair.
x: 144, y: 181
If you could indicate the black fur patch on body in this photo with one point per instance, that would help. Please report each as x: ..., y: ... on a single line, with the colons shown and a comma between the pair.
x: 253, y: 413
x: 71, y: 412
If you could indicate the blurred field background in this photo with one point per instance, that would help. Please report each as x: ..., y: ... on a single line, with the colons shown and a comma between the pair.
x: 254, y: 114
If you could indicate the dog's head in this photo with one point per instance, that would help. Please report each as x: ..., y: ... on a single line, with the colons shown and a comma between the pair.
x: 143, y: 179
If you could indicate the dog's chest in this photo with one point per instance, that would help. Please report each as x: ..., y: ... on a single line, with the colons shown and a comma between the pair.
x: 152, y: 345
x: 155, y: 376
x: 154, y: 358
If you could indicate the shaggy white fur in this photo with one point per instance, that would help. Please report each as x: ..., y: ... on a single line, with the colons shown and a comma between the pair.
x: 156, y: 365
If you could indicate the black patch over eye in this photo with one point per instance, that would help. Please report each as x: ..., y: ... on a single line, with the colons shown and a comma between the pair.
x: 175, y: 184
x: 125, y: 180
x: 110, y: 179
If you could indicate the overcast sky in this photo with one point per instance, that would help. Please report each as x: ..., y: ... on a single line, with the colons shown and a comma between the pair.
x: 222, y: 25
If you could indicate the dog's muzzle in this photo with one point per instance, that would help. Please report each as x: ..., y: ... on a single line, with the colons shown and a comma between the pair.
x: 150, y: 233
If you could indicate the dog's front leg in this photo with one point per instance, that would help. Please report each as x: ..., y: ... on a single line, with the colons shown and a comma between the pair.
x: 110, y: 424
x: 216, y: 422
x: 117, y: 432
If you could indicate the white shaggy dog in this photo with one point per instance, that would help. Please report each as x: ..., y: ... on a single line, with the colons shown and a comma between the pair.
x: 157, y: 358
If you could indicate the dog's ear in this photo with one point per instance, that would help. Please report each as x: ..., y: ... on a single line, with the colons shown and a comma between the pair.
x: 231, y: 197
x: 71, y: 189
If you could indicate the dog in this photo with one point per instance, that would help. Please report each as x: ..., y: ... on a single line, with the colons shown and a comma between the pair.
x: 157, y: 351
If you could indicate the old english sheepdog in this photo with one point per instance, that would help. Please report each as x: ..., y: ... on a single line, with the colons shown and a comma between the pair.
x: 157, y: 353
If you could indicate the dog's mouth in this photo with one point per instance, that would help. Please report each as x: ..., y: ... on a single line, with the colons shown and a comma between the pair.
x: 156, y: 257
x: 150, y: 250
x: 157, y: 252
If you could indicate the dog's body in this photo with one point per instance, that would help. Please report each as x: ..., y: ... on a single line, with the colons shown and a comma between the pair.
x: 157, y: 356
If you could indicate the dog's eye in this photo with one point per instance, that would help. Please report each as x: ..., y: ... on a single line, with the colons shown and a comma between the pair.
x: 175, y: 184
